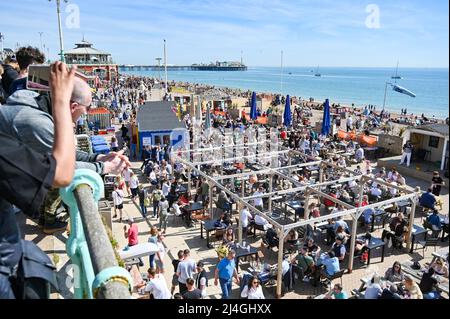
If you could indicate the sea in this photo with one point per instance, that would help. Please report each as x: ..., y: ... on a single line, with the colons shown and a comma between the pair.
x: 347, y: 86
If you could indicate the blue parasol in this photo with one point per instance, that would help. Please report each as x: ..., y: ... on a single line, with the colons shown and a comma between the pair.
x: 326, y: 124
x: 287, y: 115
x: 253, y: 112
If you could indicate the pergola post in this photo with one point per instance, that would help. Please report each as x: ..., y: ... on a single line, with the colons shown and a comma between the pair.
x: 411, y: 223
x: 355, y: 217
x: 307, y: 194
x: 270, y: 191
x: 239, y: 208
x: 189, y: 171
x: 279, y: 263
x: 321, y: 173
x: 211, y: 199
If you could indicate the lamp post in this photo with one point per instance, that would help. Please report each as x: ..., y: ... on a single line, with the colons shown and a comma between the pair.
x: 159, y: 68
x: 61, y: 43
x: 40, y: 41
x: 165, y: 66
x: 2, y: 37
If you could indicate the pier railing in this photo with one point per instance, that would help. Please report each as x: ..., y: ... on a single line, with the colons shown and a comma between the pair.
x: 97, y: 273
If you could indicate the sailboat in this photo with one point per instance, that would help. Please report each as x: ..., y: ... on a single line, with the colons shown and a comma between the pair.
x: 396, y: 76
x: 317, y: 72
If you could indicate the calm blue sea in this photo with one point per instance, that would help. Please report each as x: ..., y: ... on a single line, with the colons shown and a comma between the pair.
x: 360, y: 86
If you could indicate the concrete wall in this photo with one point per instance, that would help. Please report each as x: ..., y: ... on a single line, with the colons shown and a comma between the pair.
x: 391, y: 142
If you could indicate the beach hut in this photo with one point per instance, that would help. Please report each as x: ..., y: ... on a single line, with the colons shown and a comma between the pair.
x: 101, y: 117
x: 431, y: 143
x: 156, y: 121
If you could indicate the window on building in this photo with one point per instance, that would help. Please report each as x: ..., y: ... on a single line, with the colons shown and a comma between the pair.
x: 166, y: 139
x: 157, y: 140
x: 433, y: 142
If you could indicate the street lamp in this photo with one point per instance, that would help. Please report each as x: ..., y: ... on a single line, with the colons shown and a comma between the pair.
x: 396, y: 88
x: 2, y: 37
x: 61, y: 43
x: 165, y: 66
x: 40, y: 40
x: 159, y: 68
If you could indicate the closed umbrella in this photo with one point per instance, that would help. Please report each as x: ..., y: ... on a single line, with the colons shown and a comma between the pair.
x: 253, y: 112
x: 287, y: 115
x: 208, y: 118
x: 326, y: 124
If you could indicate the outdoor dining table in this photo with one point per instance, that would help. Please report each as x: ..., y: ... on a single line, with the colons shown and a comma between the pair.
x: 403, y: 204
x: 378, y: 213
x: 418, y: 273
x: 374, y: 243
x: 294, y: 204
x: 416, y: 231
x: 208, y: 226
x: 244, y: 252
x: 440, y: 253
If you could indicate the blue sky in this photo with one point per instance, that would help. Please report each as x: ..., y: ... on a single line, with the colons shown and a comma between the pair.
x: 313, y: 32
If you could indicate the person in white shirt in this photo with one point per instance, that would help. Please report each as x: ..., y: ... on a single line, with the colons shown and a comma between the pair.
x: 160, y: 254
x: 117, y: 196
x: 157, y: 285
x: 165, y: 188
x: 153, y: 178
x: 359, y: 154
x: 134, y: 186
x: 253, y: 290
x: 375, y: 190
x: 393, y: 190
x: 349, y: 124
x: 126, y: 173
x: 258, y: 201
x: 245, y: 219
x: 262, y: 222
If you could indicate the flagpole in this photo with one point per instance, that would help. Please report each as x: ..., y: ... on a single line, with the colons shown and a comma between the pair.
x: 281, y: 72
x: 385, y: 94
x: 165, y: 65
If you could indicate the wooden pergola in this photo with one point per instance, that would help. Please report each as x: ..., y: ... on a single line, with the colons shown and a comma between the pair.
x: 286, y: 157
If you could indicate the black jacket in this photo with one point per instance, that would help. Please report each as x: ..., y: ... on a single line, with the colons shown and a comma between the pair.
x: 9, y: 75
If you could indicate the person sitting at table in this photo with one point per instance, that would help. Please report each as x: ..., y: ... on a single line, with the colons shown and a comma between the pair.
x: 253, y: 290
x: 336, y: 293
x: 291, y: 240
x: 364, y: 202
x: 272, y: 238
x: 341, y: 162
x: 328, y: 202
x: 314, y: 211
x: 345, y: 197
x: 225, y: 219
x: 340, y: 232
x: 428, y: 200
x: 305, y: 264
x: 300, y: 212
x: 398, y: 227
x: 228, y: 237
x: 373, y: 290
x: 261, y: 221
x: 390, y: 292
x: 393, y: 175
x: 375, y: 192
x: 330, y: 266
x: 395, y: 273
x: 429, y: 285
x: 435, y: 222
x: 381, y: 174
x: 439, y: 267
x: 412, y: 289
x: 338, y: 248
x: 312, y: 249
x: 361, y: 247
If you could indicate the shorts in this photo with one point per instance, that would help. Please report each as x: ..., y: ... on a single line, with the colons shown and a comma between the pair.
x: 134, y: 192
x: 120, y: 206
x: 159, y: 265
x: 174, y: 280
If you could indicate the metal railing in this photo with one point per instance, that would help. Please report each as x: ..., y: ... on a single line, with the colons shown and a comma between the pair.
x: 98, y: 274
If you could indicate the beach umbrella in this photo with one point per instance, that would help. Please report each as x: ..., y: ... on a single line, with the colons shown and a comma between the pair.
x: 399, y: 89
x: 253, y: 114
x: 287, y: 115
x: 326, y: 124
x: 208, y: 118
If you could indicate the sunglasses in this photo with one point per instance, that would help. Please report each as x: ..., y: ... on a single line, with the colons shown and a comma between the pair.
x: 255, y: 282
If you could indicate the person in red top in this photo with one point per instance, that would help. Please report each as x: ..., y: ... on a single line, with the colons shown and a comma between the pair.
x: 131, y: 233
x: 328, y: 202
x: 283, y: 135
x: 365, y: 201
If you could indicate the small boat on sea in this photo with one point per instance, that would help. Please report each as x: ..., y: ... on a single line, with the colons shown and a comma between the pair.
x: 396, y: 76
x: 317, y: 72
